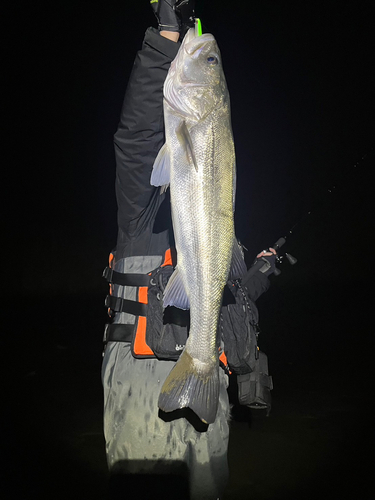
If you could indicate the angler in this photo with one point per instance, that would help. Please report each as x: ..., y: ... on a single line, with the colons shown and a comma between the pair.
x: 144, y: 336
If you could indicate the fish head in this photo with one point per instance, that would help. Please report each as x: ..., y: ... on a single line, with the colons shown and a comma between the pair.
x: 195, y: 84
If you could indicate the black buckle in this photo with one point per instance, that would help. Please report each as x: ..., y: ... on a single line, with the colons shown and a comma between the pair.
x: 107, y: 274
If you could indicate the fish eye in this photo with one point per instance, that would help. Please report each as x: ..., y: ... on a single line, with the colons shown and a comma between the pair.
x: 212, y: 60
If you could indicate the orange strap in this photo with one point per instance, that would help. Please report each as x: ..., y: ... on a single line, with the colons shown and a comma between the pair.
x: 224, y: 360
x: 140, y: 346
x: 110, y: 260
x: 167, y: 258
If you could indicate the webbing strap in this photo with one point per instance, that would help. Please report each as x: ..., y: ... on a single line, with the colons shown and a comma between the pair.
x: 128, y: 306
x: 125, y: 279
x: 118, y: 332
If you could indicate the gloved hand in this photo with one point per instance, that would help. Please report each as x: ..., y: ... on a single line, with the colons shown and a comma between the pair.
x: 166, y: 15
x: 174, y: 15
x: 186, y: 13
x: 269, y: 258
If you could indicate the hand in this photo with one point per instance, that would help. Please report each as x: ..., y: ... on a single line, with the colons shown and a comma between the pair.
x: 266, y: 253
x: 269, y: 258
x: 165, y: 14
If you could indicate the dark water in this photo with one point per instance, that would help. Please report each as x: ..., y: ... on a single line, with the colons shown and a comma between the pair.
x: 317, y: 440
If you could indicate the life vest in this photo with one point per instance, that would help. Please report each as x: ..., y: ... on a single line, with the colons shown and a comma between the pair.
x: 153, y: 332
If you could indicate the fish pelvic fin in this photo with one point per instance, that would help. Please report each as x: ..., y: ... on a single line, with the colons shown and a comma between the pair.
x: 161, y: 172
x: 189, y: 387
x: 175, y: 293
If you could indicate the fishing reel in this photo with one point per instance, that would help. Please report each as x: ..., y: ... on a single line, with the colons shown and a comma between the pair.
x: 263, y: 265
x: 280, y: 258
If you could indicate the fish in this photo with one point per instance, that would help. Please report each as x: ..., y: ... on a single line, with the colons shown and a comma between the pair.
x: 197, y: 162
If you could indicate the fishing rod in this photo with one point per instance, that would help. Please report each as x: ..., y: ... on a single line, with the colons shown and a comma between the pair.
x: 261, y: 261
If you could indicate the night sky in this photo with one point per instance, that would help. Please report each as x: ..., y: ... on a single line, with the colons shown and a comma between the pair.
x: 301, y: 80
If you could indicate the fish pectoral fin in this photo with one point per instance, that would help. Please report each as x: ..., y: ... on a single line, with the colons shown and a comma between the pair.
x: 186, y: 387
x: 161, y: 171
x: 175, y: 293
x: 184, y: 137
x: 237, y: 267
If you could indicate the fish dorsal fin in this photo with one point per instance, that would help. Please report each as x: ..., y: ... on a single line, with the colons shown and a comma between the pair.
x: 161, y: 171
x: 175, y: 293
x: 238, y: 267
x: 184, y: 137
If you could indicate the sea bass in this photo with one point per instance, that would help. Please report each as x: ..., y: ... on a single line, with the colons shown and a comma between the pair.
x: 198, y: 163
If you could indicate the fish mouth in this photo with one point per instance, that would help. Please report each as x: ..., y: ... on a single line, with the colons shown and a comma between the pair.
x: 197, y: 44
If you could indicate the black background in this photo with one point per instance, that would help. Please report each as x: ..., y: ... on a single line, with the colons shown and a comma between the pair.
x: 301, y: 80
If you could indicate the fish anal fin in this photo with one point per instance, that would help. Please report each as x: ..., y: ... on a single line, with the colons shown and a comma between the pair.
x: 175, y: 293
x: 186, y: 387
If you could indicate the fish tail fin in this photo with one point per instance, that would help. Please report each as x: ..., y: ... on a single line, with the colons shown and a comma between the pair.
x: 188, y: 387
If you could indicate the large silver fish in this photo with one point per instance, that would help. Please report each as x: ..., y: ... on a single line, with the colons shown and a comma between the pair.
x: 198, y: 162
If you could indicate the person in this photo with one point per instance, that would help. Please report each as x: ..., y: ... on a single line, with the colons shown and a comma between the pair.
x: 141, y: 441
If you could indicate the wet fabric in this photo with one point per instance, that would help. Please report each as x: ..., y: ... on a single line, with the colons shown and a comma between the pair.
x: 137, y: 438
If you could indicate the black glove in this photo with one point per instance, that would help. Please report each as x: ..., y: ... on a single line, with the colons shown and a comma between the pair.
x: 266, y: 264
x: 186, y: 13
x: 269, y: 265
x: 166, y: 15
